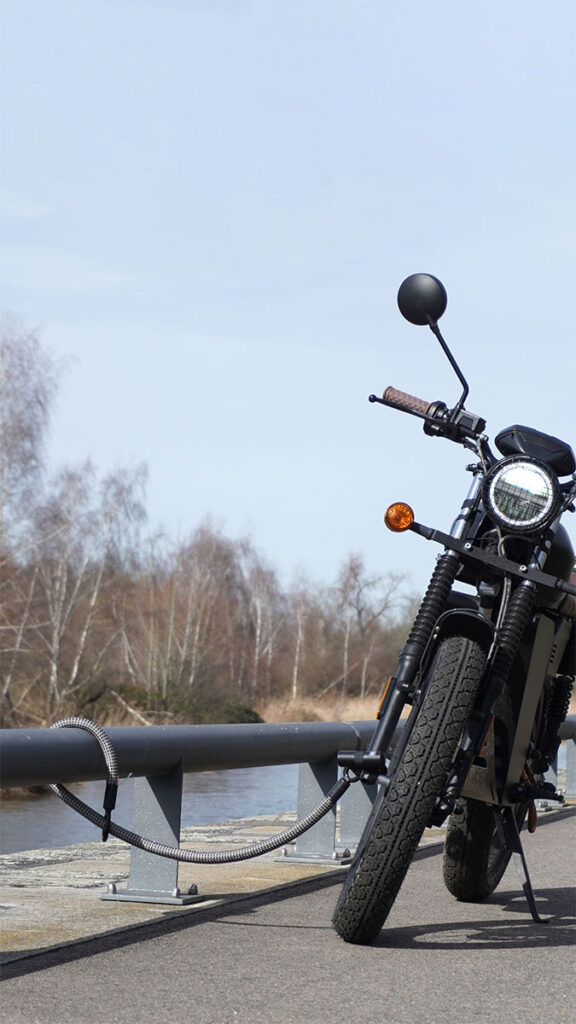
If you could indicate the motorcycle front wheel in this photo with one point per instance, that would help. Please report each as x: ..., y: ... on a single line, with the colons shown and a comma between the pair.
x: 402, y: 812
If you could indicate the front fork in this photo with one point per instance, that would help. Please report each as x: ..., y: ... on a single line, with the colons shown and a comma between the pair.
x: 370, y: 765
x: 517, y: 617
x: 507, y: 645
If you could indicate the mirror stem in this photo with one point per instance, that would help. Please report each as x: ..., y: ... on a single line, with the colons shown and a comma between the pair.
x: 433, y: 324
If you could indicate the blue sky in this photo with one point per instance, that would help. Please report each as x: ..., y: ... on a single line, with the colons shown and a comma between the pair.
x: 210, y: 205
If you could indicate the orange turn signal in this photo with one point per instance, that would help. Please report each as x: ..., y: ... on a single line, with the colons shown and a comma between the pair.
x: 386, y: 688
x: 399, y: 517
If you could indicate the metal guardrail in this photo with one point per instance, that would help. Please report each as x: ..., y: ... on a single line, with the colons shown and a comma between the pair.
x: 31, y: 757
x: 158, y: 756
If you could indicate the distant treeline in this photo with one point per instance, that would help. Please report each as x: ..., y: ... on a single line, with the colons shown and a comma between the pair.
x: 98, y: 617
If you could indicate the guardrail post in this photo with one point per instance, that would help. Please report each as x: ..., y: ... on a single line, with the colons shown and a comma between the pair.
x: 355, y: 808
x: 156, y: 815
x: 571, y: 769
x: 318, y: 844
x: 552, y: 773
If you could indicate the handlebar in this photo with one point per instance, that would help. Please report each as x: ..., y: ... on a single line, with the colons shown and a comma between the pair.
x: 418, y: 405
x: 457, y: 424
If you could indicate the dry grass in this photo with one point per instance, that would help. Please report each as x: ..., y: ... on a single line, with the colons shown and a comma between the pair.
x: 352, y: 709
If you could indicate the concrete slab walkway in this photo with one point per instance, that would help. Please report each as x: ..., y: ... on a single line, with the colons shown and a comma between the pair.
x: 269, y: 955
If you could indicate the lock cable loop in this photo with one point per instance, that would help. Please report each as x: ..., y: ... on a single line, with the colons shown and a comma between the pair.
x: 109, y: 827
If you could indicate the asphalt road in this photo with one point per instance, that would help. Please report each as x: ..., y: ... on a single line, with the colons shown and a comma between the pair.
x: 274, y: 959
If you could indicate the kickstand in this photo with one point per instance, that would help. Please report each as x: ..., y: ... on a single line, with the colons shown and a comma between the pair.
x: 515, y: 844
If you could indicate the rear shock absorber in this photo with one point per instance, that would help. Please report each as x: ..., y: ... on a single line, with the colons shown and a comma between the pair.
x: 556, y: 710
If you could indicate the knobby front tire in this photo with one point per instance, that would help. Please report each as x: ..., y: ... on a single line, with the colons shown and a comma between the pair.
x: 403, y: 812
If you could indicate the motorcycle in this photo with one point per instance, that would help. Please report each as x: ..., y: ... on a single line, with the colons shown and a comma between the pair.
x: 486, y: 676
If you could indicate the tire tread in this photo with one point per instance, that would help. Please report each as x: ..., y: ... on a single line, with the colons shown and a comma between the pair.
x: 388, y: 845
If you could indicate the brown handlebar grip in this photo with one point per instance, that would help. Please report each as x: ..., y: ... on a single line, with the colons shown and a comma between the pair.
x: 401, y: 398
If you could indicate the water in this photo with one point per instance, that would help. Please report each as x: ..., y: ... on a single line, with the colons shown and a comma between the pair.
x: 39, y: 822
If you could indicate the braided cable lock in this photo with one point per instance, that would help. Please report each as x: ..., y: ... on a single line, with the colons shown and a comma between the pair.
x: 112, y: 780
x: 172, y: 852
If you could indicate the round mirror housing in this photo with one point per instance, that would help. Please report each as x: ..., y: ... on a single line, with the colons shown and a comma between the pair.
x: 422, y: 298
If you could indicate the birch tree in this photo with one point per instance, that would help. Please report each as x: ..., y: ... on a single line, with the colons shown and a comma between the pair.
x: 80, y: 543
x: 28, y: 384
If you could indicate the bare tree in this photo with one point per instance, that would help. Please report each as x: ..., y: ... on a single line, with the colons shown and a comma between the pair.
x: 361, y: 617
x: 262, y: 612
x: 78, y: 547
x: 168, y: 628
x: 299, y: 605
x: 28, y: 383
x: 369, y: 602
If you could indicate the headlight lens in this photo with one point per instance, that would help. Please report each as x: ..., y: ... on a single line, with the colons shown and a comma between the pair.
x: 521, y: 495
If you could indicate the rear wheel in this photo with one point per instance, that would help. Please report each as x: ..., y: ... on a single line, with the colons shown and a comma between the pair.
x: 476, y: 853
x: 403, y: 812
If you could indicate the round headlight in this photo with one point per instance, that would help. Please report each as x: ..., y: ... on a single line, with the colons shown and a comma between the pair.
x: 521, y: 495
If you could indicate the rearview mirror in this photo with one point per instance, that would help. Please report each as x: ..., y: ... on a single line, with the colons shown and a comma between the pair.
x: 422, y: 299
